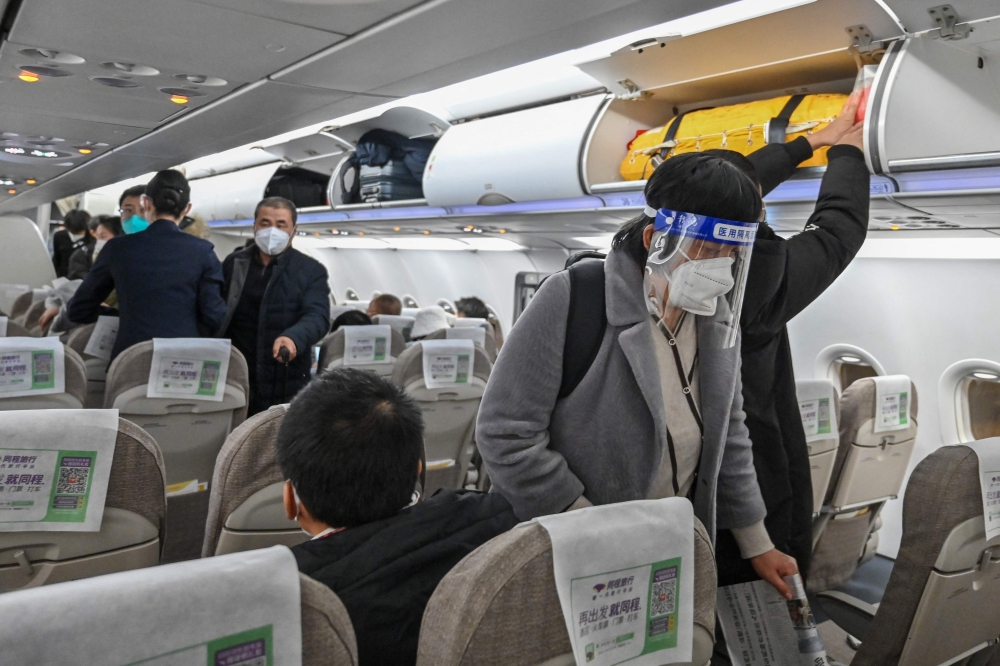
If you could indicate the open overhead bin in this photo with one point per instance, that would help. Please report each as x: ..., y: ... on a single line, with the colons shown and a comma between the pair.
x: 232, y: 195
x: 574, y: 148
x: 935, y: 103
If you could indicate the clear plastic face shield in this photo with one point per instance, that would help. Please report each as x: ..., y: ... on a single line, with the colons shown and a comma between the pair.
x: 698, y: 264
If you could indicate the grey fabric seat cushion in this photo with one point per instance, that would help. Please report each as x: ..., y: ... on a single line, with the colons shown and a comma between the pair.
x: 131, y: 369
x: 491, y: 342
x: 943, y: 491
x: 78, y: 338
x: 410, y: 366
x: 21, y: 305
x: 332, y: 346
x: 479, y: 605
x: 33, y: 314
x: 327, y: 632
x: 138, y: 477
x: 15, y: 330
x: 76, y: 375
x: 246, y: 464
x: 857, y: 405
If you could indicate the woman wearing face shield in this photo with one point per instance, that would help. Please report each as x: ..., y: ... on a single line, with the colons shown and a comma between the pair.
x: 658, y: 412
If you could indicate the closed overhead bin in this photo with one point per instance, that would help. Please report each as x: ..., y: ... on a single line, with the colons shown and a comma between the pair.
x: 935, y: 103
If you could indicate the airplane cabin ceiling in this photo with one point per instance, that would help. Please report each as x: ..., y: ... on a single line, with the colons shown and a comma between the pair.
x: 248, y: 70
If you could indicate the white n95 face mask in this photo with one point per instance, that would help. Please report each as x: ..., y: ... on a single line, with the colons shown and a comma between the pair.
x: 696, y: 285
x: 271, y: 240
x: 98, y: 246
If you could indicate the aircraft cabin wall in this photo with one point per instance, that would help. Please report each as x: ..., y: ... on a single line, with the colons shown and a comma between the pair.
x: 916, y: 317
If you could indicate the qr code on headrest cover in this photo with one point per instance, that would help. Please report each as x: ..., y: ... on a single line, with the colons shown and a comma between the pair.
x: 664, y: 598
x: 73, y: 480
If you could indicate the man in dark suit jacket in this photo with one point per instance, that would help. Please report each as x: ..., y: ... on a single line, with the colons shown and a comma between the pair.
x: 169, y: 283
x: 69, y: 240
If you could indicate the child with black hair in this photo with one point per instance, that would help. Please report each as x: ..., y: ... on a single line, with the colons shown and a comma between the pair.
x: 351, y: 449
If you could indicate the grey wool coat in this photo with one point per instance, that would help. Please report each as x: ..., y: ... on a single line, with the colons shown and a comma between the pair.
x: 607, y: 439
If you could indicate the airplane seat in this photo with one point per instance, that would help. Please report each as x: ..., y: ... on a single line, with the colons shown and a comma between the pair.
x: 401, y: 323
x: 132, y: 529
x: 15, y: 330
x: 942, y: 603
x: 73, y: 397
x: 822, y: 449
x: 469, y: 617
x: 190, y: 434
x: 867, y: 472
x: 21, y: 305
x: 491, y: 344
x: 31, y: 317
x: 245, y: 510
x: 97, y: 368
x: 327, y: 632
x: 449, y: 416
x: 331, y: 353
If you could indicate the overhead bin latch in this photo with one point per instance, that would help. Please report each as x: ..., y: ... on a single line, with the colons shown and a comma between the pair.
x: 632, y: 91
x: 862, y: 38
x: 946, y: 20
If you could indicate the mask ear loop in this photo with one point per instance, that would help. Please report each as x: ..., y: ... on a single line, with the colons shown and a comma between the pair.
x: 649, y: 211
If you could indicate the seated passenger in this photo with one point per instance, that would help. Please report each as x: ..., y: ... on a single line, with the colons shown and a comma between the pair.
x: 350, y: 447
x: 385, y: 304
x: 351, y: 318
x: 429, y: 319
x: 472, y: 308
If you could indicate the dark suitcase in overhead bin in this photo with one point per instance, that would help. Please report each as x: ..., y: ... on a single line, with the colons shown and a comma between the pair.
x: 390, y: 165
x: 391, y: 182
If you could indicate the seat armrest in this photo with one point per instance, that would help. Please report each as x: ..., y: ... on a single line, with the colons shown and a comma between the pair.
x: 849, y: 613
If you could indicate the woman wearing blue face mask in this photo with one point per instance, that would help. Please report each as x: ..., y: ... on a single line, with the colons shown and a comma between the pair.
x: 169, y: 283
x: 656, y: 408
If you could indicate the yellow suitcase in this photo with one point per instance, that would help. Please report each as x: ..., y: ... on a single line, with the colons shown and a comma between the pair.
x: 740, y: 127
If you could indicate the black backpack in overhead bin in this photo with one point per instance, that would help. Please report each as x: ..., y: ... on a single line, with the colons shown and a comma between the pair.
x: 587, y: 318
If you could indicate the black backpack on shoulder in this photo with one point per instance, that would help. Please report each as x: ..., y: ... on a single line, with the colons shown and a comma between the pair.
x: 587, y: 318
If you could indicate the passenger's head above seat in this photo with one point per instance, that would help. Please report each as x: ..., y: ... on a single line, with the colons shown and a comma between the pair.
x: 428, y: 320
x: 385, y: 304
x: 350, y: 318
x: 350, y: 448
x: 472, y: 307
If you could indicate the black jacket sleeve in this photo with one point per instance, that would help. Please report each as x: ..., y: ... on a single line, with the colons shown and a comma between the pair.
x: 787, y: 275
x: 79, y: 263
x: 315, y: 320
x: 776, y: 162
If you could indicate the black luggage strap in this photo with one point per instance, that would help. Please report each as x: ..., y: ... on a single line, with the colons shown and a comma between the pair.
x: 776, y: 126
x: 585, y: 323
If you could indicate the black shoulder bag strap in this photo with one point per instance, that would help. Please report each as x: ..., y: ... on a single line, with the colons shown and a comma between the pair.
x: 585, y: 323
x: 776, y: 126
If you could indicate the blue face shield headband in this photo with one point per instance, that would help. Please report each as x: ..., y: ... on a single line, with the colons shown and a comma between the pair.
x: 703, y: 227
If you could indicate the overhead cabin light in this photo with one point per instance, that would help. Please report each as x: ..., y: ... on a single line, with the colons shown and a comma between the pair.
x: 992, y: 376
x: 179, y: 99
x: 595, y: 241
x: 6, y: 182
x: 487, y: 244
x: 85, y: 151
x: 850, y: 359
x: 31, y: 181
x: 14, y: 150
x: 42, y: 70
x: 11, y: 191
x: 28, y: 77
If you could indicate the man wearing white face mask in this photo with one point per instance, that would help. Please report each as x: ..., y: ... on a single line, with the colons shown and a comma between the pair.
x: 621, y: 380
x: 277, y: 298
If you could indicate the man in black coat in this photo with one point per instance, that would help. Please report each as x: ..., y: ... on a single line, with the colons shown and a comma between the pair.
x: 785, y: 276
x: 351, y: 449
x: 67, y: 241
x: 276, y: 297
x: 169, y: 283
